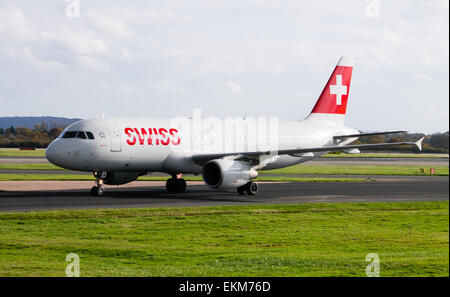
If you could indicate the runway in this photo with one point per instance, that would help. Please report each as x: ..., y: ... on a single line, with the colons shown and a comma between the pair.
x: 75, y: 195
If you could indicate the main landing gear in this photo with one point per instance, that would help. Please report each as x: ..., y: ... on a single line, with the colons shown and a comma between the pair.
x: 251, y: 188
x: 176, y: 184
x: 98, y: 189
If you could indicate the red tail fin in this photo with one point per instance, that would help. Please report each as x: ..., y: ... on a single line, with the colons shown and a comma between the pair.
x: 333, y: 99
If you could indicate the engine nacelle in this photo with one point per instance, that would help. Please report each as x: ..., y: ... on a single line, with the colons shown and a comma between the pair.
x: 227, y: 174
x: 120, y: 178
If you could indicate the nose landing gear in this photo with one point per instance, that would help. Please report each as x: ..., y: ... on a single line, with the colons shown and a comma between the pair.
x: 98, y: 189
x: 176, y: 184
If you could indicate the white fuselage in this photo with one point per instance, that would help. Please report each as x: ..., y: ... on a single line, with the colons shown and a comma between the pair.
x: 118, y: 147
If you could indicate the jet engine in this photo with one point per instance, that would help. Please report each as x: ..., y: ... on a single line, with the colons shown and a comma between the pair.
x: 120, y: 178
x: 227, y: 174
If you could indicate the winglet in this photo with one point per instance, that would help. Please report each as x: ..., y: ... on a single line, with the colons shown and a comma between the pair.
x: 418, y: 143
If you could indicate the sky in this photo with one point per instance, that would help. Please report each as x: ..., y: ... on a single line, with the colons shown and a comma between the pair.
x: 137, y: 58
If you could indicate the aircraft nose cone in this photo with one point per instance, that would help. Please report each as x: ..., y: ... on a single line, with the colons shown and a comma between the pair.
x: 51, y: 153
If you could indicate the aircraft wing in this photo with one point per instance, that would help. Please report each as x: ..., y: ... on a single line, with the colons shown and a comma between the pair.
x: 203, y: 158
x: 367, y: 134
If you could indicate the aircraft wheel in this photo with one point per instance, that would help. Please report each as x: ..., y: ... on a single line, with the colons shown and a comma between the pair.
x: 94, y: 191
x: 180, y: 185
x: 241, y: 190
x: 252, y: 188
x: 170, y: 185
x: 97, y: 191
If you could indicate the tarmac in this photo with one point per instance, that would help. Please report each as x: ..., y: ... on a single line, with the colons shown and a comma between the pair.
x: 19, y: 196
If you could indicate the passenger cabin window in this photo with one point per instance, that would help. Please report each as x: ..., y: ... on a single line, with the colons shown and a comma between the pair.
x: 90, y: 135
x: 81, y: 135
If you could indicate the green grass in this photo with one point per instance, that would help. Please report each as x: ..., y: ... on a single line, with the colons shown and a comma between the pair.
x: 411, y: 239
x: 15, y: 152
x: 31, y: 166
x: 332, y: 169
x: 358, y: 170
x: 10, y: 177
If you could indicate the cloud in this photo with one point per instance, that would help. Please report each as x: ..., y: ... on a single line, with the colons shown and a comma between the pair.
x: 26, y: 54
x: 125, y: 53
x: 154, y: 16
x: 232, y: 87
x: 78, y: 42
x: 92, y: 63
x: 200, y: 53
x: 422, y: 77
x: 111, y: 26
x: 14, y: 23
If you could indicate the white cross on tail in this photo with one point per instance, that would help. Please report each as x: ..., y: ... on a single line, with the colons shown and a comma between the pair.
x: 338, y: 89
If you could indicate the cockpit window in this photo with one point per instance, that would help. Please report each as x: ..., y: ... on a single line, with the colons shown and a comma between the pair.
x: 90, y: 135
x: 78, y: 134
x: 70, y: 134
x: 81, y: 135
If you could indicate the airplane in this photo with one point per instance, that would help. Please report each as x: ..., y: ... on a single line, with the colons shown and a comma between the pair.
x: 119, y: 150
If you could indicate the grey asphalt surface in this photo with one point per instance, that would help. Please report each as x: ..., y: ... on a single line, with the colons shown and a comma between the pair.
x: 429, y: 188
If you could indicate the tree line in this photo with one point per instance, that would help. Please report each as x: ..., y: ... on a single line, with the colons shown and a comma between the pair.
x: 23, y: 137
x: 433, y: 143
x: 41, y: 136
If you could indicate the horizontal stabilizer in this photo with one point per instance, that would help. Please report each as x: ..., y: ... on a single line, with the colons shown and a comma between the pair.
x: 352, y: 151
x: 419, y: 143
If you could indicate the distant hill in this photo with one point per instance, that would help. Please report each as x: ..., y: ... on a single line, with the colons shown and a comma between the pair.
x: 29, y: 122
